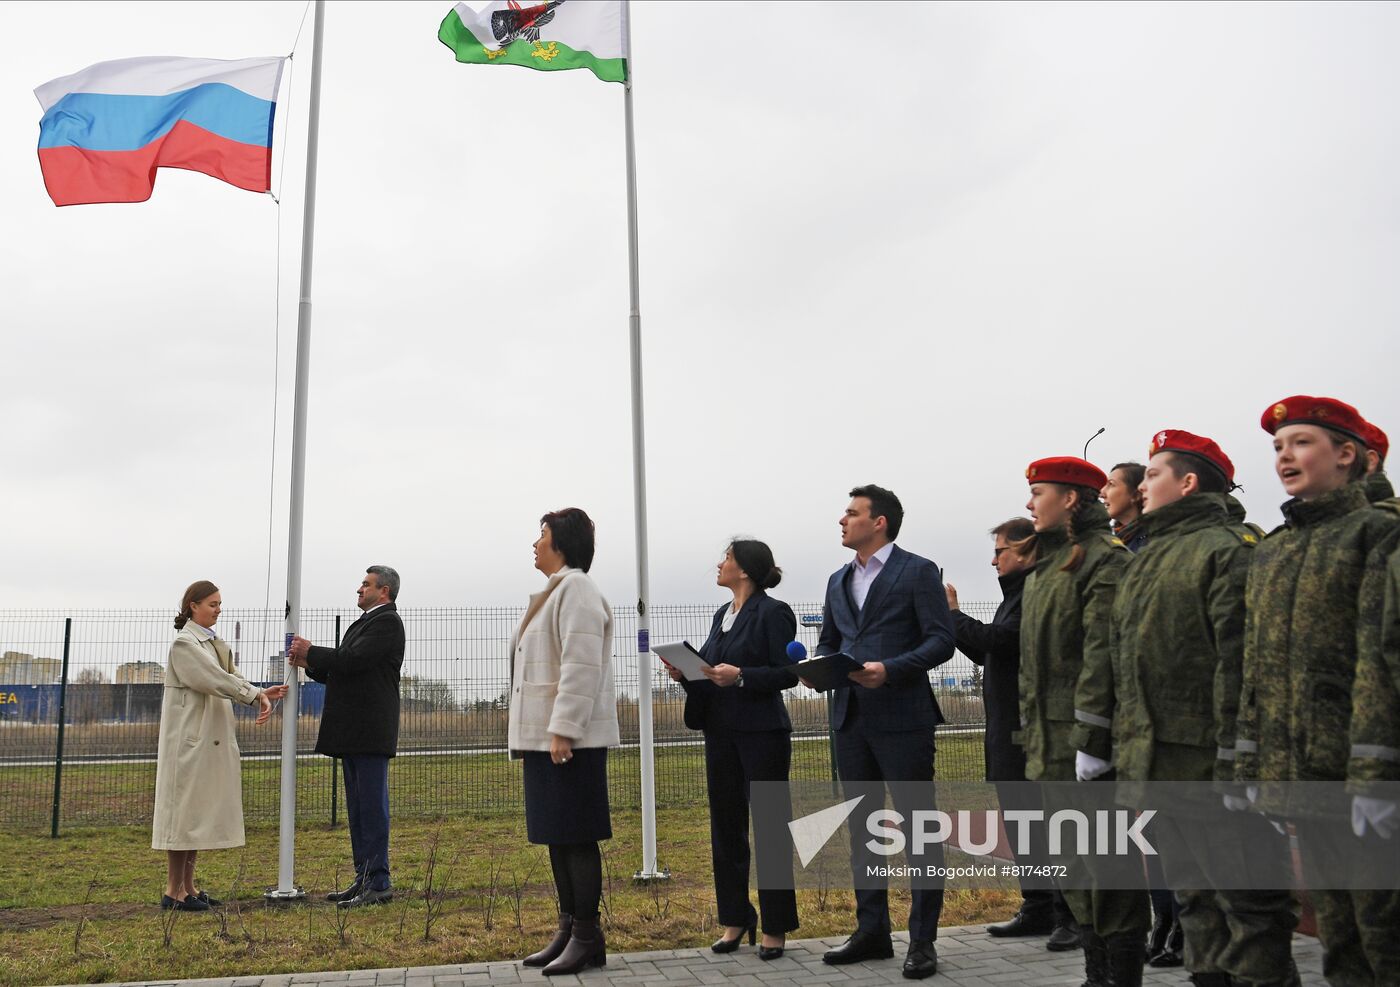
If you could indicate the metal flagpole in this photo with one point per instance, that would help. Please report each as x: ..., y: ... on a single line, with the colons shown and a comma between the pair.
x: 287, y: 888
x: 649, y: 871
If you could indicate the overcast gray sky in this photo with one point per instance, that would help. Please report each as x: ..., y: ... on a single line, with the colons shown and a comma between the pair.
x: 918, y: 245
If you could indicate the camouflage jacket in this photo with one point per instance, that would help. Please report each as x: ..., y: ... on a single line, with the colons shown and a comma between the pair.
x: 1178, y: 644
x: 1066, y: 667
x: 1375, y: 705
x: 1301, y: 643
x: 1378, y: 487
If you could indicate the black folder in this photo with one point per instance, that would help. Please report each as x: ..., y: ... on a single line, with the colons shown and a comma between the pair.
x: 826, y: 672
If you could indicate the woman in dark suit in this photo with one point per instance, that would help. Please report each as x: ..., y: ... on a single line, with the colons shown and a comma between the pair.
x: 747, y: 739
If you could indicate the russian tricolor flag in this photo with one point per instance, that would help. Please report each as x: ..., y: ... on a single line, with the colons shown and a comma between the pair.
x: 108, y: 128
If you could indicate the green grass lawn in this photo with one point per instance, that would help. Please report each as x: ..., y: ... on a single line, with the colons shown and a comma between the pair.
x: 82, y: 908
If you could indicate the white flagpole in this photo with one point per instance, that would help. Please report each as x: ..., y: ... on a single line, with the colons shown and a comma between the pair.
x: 639, y: 493
x: 287, y: 888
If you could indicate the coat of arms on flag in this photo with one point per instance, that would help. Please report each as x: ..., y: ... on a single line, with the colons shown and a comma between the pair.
x: 552, y: 35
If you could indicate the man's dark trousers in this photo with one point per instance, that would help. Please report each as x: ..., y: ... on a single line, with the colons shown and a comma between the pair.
x: 367, y: 806
x: 865, y: 760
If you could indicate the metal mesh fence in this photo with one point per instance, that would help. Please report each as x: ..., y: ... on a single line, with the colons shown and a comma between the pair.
x: 452, y: 733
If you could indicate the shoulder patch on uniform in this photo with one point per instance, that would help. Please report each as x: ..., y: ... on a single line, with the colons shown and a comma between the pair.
x: 1248, y: 537
x: 1115, y: 540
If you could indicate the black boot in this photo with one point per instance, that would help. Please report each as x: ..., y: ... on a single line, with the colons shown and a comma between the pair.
x: 585, y: 948
x: 1171, y: 952
x: 1157, y: 938
x: 1125, y: 959
x: 556, y: 945
x: 1095, y: 959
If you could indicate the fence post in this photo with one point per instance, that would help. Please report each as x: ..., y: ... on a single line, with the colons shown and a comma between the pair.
x: 335, y: 761
x: 62, y: 715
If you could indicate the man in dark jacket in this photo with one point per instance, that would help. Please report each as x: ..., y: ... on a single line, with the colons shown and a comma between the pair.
x: 886, y: 608
x: 997, y: 648
x: 360, y: 725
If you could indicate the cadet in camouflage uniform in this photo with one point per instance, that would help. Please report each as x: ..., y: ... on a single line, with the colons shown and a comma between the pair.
x: 1066, y: 687
x: 1300, y: 660
x: 1178, y: 642
x: 1378, y: 486
x: 1373, y: 771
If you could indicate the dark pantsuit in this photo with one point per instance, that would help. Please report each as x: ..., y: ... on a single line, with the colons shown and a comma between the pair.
x: 367, y: 807
x: 733, y: 760
x: 863, y: 757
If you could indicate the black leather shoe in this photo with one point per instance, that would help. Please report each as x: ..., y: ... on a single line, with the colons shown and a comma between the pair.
x: 1171, y: 953
x: 861, y: 946
x: 1022, y: 924
x: 211, y: 902
x: 1064, y: 939
x: 190, y: 904
x: 368, y: 896
x: 1157, y: 938
x: 345, y: 895
x: 922, y: 960
x: 723, y: 945
x: 766, y: 953
x: 1216, y: 979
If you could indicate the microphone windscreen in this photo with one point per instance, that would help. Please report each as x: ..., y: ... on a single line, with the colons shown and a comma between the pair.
x: 797, y: 651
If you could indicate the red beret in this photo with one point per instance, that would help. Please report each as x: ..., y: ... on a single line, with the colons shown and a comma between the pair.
x: 1177, y: 440
x: 1305, y: 410
x: 1376, y: 439
x: 1066, y: 469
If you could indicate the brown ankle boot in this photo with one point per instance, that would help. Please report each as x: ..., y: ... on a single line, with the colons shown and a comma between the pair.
x: 586, y: 948
x: 556, y: 945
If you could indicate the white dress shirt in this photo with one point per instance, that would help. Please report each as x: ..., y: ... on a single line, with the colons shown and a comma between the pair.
x: 863, y: 575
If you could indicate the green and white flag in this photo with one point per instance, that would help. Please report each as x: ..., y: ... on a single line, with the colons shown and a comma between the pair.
x: 551, y: 35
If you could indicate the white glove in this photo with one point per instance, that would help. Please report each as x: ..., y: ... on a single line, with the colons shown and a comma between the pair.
x: 1383, y: 816
x: 1251, y: 792
x: 1087, y: 767
x: 1236, y: 804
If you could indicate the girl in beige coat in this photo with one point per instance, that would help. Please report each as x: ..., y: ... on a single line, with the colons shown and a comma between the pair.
x: 199, y: 795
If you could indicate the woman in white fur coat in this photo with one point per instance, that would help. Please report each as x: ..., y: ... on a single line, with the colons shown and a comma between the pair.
x: 563, y: 719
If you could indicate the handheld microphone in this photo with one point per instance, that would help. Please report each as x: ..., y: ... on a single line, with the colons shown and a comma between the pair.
x: 796, y: 651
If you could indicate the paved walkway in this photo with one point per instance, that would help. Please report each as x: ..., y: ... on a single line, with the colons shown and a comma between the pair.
x: 967, y: 957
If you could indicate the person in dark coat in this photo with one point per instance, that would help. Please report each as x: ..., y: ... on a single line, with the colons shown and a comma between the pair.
x: 997, y: 648
x: 886, y: 609
x: 360, y: 725
x: 747, y: 739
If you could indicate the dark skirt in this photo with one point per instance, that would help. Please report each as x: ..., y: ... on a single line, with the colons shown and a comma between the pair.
x: 567, y: 803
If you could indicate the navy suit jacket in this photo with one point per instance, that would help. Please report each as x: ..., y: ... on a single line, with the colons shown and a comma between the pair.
x: 905, y: 624
x: 757, y: 643
x: 361, y: 712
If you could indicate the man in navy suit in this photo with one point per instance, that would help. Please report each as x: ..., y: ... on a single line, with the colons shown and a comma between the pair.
x: 886, y: 608
x: 360, y: 725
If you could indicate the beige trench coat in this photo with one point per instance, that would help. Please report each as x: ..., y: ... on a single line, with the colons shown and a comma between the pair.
x: 199, y: 795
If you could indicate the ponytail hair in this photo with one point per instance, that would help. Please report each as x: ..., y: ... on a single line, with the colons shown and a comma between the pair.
x: 756, y: 560
x: 197, y: 592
